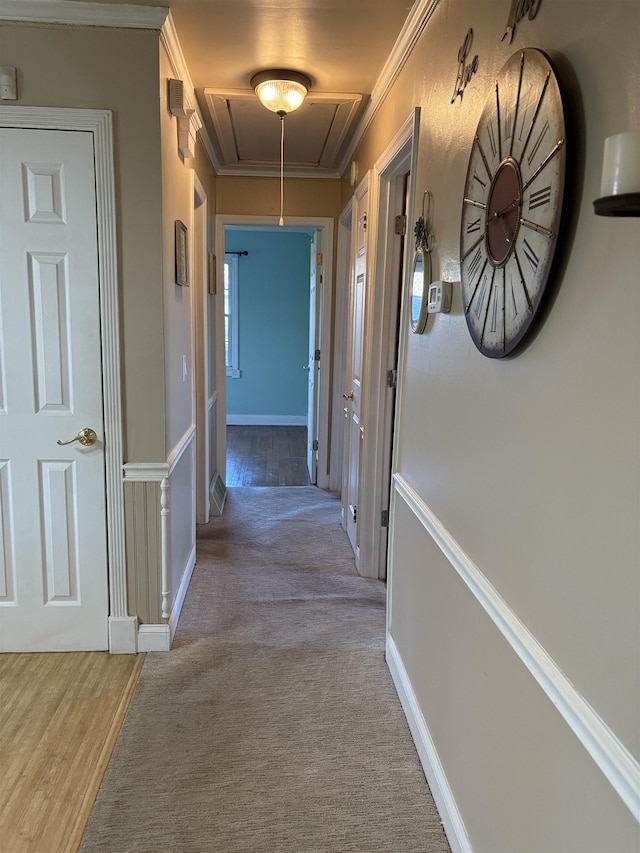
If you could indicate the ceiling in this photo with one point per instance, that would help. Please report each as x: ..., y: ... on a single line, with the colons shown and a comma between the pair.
x: 342, y: 45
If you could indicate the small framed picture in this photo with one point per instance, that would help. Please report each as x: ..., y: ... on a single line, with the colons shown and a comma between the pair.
x: 182, y: 270
x: 212, y: 274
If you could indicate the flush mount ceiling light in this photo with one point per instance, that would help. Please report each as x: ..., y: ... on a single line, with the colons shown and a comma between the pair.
x: 282, y: 92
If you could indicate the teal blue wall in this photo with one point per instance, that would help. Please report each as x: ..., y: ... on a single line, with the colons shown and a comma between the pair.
x: 273, y: 332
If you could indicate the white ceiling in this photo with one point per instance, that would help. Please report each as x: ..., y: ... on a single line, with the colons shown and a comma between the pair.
x: 342, y: 45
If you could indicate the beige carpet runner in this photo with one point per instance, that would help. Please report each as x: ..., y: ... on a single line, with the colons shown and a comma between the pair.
x: 273, y: 724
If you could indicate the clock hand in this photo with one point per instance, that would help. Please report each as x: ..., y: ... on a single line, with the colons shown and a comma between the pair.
x: 507, y: 234
x: 500, y: 213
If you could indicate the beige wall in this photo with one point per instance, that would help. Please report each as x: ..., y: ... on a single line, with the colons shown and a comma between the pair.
x: 179, y: 330
x: 115, y: 70
x: 531, y: 464
x: 261, y: 196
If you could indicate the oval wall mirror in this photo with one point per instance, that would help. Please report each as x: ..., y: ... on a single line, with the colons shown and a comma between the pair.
x: 420, y: 292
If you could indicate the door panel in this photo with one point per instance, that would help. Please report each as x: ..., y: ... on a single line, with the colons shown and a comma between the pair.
x: 53, y: 568
x: 353, y: 396
x: 313, y: 365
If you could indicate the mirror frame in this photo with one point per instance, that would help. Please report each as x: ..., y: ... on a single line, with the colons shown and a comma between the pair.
x: 418, y: 324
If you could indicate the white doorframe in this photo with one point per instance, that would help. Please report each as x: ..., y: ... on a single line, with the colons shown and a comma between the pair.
x: 398, y: 158
x: 341, y: 314
x: 326, y: 224
x: 200, y: 370
x: 122, y: 627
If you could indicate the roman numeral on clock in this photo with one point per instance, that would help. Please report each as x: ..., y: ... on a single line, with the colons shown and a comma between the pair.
x: 482, y: 183
x: 530, y: 255
x: 534, y: 151
x: 492, y: 139
x: 494, y: 312
x: 539, y: 197
x: 473, y: 226
x: 479, y: 303
x: 474, y: 263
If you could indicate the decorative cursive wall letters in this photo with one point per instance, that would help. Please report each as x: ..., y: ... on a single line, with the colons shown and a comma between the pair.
x: 519, y: 9
x: 465, y: 71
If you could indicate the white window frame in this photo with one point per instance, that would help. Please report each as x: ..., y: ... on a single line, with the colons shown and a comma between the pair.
x: 231, y: 263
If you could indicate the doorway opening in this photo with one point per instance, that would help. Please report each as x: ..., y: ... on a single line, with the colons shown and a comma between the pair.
x: 276, y: 307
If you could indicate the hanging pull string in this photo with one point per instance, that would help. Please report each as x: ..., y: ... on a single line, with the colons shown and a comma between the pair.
x: 281, y: 222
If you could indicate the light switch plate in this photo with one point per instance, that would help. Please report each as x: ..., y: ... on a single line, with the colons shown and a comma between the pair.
x: 8, y: 85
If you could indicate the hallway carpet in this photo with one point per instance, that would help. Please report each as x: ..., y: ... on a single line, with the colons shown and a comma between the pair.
x: 273, y: 724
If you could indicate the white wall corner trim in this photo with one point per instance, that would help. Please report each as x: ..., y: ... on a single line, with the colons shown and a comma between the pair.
x: 411, y: 31
x: 89, y: 14
x: 180, y: 595
x: 443, y: 796
x: 171, y: 42
x: 614, y: 760
x: 213, y: 399
x: 176, y: 454
x: 154, y: 638
x: 145, y: 472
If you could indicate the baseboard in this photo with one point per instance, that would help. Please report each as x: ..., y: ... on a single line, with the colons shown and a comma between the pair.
x: 266, y: 420
x: 123, y: 635
x: 178, y: 601
x: 433, y: 770
x: 612, y: 757
x: 154, y: 638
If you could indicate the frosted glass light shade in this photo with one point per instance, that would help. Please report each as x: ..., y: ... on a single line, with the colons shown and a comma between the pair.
x: 281, y: 91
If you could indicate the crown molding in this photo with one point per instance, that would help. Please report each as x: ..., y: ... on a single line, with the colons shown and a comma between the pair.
x: 84, y: 14
x: 159, y: 18
x: 171, y: 42
x: 409, y: 34
x: 268, y: 171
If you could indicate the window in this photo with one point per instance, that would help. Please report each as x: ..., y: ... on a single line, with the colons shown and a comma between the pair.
x: 231, y: 315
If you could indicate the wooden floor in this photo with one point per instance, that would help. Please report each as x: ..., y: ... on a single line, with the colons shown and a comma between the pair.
x: 267, y: 456
x: 60, y: 714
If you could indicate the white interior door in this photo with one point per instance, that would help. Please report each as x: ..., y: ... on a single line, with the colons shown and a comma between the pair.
x: 353, y: 393
x: 313, y: 365
x: 53, y: 554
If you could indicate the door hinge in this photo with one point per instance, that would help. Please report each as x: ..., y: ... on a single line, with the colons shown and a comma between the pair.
x: 392, y: 378
x: 316, y: 355
x: 353, y: 509
x: 384, y: 518
x: 319, y: 259
x: 315, y: 444
x: 401, y: 225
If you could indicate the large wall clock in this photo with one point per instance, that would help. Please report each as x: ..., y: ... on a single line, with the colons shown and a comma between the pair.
x: 512, y: 203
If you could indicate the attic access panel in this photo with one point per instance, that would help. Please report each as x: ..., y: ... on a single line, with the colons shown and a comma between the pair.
x: 257, y: 133
x: 248, y: 135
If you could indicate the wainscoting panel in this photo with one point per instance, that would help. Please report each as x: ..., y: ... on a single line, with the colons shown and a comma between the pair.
x: 143, y: 549
x: 487, y: 705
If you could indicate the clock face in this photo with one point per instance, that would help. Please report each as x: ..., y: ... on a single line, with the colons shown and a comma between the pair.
x: 512, y: 203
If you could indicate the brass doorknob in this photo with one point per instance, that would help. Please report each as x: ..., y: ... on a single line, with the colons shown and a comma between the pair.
x: 348, y: 396
x: 86, y: 437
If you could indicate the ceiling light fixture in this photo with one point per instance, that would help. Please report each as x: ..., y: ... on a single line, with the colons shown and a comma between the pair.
x: 282, y: 92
